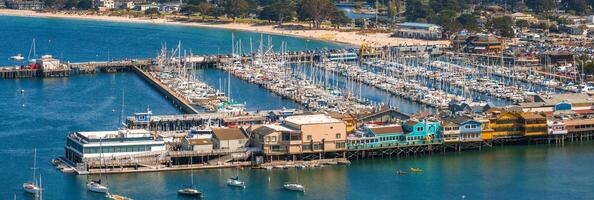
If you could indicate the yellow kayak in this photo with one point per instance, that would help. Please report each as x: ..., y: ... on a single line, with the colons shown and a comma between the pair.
x: 117, y: 197
x: 416, y: 170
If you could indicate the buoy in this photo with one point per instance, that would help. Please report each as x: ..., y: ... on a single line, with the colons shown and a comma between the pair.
x: 22, y: 91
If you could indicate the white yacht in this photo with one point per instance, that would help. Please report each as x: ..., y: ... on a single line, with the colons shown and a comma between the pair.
x: 294, y: 187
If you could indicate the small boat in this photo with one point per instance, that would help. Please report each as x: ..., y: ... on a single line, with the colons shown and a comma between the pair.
x: 344, y: 162
x: 116, y: 197
x: 294, y: 187
x: 18, y: 57
x: 235, y: 182
x: 189, y: 191
x: 95, y: 186
x: 32, y: 187
x: 417, y: 170
x: 66, y: 169
x: 55, y: 162
x: 400, y: 172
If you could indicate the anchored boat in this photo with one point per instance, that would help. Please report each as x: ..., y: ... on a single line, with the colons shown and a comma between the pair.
x: 294, y: 187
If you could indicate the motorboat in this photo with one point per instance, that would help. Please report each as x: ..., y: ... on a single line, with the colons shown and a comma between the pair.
x: 95, y: 186
x: 294, y: 187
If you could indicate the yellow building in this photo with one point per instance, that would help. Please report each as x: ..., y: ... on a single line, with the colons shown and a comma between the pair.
x: 534, y: 124
x: 349, y: 120
x: 486, y: 131
x: 506, y: 124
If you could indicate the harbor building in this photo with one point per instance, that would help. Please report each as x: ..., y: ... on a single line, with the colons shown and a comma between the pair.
x: 24, y: 4
x: 422, y: 130
x: 569, y: 102
x: 534, y: 124
x: 580, y: 127
x: 516, y: 124
x: 81, y: 146
x: 198, y: 144
x: 301, y: 134
x: 418, y: 31
x: 231, y: 139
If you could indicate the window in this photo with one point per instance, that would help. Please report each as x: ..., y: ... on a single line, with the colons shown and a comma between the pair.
x: 273, y: 138
x: 306, y: 147
x: 419, y: 129
x: 338, y: 136
x: 340, y: 145
x: 309, y: 138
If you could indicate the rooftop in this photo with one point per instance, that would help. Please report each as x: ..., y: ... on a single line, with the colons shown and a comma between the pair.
x: 311, y: 119
x: 418, y: 25
x: 132, y: 133
x: 228, y: 133
x: 391, y: 129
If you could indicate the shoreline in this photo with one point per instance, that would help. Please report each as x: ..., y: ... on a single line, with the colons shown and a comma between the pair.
x: 353, y: 38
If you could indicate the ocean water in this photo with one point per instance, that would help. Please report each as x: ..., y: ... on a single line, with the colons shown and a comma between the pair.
x: 49, y: 109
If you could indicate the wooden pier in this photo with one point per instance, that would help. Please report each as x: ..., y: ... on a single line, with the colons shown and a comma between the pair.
x: 177, y: 100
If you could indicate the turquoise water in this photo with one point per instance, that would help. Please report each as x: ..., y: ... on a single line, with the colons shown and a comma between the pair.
x: 51, y: 108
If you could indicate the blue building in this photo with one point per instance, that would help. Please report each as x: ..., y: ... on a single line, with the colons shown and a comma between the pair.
x: 461, y: 128
x: 423, y: 130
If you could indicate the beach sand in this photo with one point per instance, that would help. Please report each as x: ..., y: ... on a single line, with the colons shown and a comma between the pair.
x: 352, y: 38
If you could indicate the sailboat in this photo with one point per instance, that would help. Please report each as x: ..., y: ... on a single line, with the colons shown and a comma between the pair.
x: 294, y: 186
x: 95, y: 185
x: 32, y: 187
x: 190, y: 190
x: 235, y: 182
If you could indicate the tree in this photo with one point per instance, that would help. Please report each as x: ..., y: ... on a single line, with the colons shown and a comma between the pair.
x: 235, y: 8
x: 502, y: 26
x: 189, y: 9
x: 84, y: 5
x: 316, y: 11
x: 522, y: 23
x: 195, y: 2
x: 340, y: 19
x: 393, y: 9
x: 279, y: 10
x: 447, y: 19
x: 416, y: 9
x: 54, y: 4
x: 541, y: 5
x: 70, y: 4
x: 151, y: 11
x: 204, y: 9
x: 579, y: 6
x: 468, y: 22
x: 216, y: 12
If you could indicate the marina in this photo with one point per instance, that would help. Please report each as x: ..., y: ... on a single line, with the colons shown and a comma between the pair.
x: 191, y: 136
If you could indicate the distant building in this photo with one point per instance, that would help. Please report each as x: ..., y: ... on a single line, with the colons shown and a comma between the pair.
x: 232, y: 139
x: 48, y: 63
x: 461, y: 128
x: 523, y: 16
x: 418, y: 31
x: 198, y: 144
x: 24, y: 4
x: 96, y: 144
x: 146, y: 6
x: 104, y: 5
x: 483, y: 44
x: 301, y: 134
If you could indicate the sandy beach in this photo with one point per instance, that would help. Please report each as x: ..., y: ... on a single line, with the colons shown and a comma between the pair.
x: 352, y: 38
